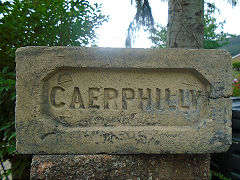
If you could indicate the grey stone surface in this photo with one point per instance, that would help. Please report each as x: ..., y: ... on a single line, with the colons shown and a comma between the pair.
x: 122, y: 101
x: 120, y: 167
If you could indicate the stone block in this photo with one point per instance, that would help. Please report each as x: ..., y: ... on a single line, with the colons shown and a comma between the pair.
x: 122, y: 101
x: 141, y: 166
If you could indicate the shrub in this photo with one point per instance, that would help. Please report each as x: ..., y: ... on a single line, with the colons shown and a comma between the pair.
x: 236, y: 65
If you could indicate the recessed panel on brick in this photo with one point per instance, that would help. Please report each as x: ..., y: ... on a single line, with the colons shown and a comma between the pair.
x: 122, y: 101
x: 104, y: 97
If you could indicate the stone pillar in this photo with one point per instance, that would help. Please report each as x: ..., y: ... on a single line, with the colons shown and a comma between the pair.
x: 120, y: 166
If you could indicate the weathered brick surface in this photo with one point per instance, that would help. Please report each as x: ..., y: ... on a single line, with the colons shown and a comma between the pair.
x: 120, y: 167
x: 122, y: 101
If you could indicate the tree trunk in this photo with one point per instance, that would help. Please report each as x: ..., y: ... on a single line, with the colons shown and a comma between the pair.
x: 185, y: 24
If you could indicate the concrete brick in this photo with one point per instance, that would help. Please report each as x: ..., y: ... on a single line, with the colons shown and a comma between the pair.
x: 122, y: 101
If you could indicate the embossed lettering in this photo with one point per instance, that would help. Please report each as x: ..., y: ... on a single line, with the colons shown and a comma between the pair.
x: 184, y: 99
x: 53, y: 94
x: 195, y: 98
x: 158, y: 99
x: 142, y: 99
x: 170, y: 99
x: 93, y: 97
x: 127, y: 95
x: 76, y: 99
x: 84, y: 97
x: 110, y: 96
x: 146, y: 98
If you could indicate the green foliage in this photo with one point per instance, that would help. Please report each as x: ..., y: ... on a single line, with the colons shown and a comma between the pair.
x: 7, y: 130
x: 216, y: 175
x: 159, y: 36
x: 37, y: 23
x: 41, y: 22
x: 236, y: 64
x: 212, y: 38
